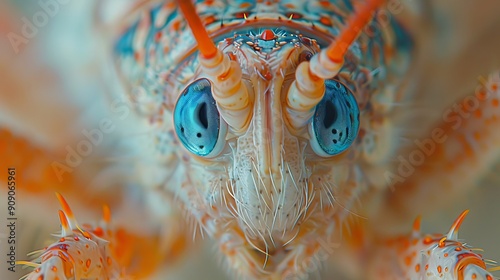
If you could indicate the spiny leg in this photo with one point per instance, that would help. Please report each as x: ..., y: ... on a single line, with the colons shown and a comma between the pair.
x: 427, y: 256
x: 104, y: 251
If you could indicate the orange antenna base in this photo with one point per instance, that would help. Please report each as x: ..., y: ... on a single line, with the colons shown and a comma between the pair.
x: 231, y: 95
x: 328, y: 62
x: 308, y: 88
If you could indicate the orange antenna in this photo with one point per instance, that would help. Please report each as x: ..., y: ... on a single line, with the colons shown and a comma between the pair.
x: 338, y: 49
x: 309, y: 86
x: 205, y: 45
x: 231, y: 95
x: 328, y: 62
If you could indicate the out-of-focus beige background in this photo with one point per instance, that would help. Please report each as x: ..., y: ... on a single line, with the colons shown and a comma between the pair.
x: 457, y: 42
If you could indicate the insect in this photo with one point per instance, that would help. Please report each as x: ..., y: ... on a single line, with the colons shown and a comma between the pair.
x: 265, y: 141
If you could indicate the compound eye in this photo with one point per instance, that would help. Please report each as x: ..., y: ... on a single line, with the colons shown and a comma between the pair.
x: 197, y: 120
x: 335, y: 123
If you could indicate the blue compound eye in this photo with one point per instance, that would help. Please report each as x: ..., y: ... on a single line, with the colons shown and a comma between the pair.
x: 197, y: 121
x: 335, y: 123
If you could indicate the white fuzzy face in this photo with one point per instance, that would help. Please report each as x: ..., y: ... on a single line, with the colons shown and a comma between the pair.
x: 267, y: 180
x: 266, y: 193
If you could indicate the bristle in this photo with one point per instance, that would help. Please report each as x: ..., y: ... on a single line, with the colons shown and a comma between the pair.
x: 453, y: 233
x: 67, y: 211
x: 66, y: 230
x: 30, y: 264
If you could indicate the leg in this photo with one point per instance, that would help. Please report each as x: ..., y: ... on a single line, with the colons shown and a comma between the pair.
x: 134, y: 249
x: 447, y: 163
x: 426, y: 256
x: 104, y: 251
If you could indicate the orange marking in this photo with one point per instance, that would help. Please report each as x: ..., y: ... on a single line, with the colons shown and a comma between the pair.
x: 158, y: 36
x: 210, y: 19
x: 426, y: 267
x: 442, y: 242
x: 408, y: 260
x: 478, y: 113
x: 427, y: 240
x: 481, y: 95
x: 326, y: 21
x: 245, y: 5
x: 87, y: 235
x: 267, y: 35
x: 324, y: 3
x: 137, y: 56
x: 99, y: 232
x: 88, y: 262
x: 176, y: 25
x: 494, y: 102
x: 417, y: 267
x: 439, y: 269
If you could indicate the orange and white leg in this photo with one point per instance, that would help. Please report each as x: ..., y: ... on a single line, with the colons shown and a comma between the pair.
x: 454, y: 156
x: 80, y: 253
x: 102, y: 251
x: 427, y: 256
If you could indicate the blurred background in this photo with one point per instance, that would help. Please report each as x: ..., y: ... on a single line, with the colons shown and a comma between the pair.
x: 62, y: 81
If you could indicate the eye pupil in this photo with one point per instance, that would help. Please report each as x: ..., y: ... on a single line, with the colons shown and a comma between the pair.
x: 202, y: 115
x: 331, y: 114
x: 197, y: 120
x: 335, y: 123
